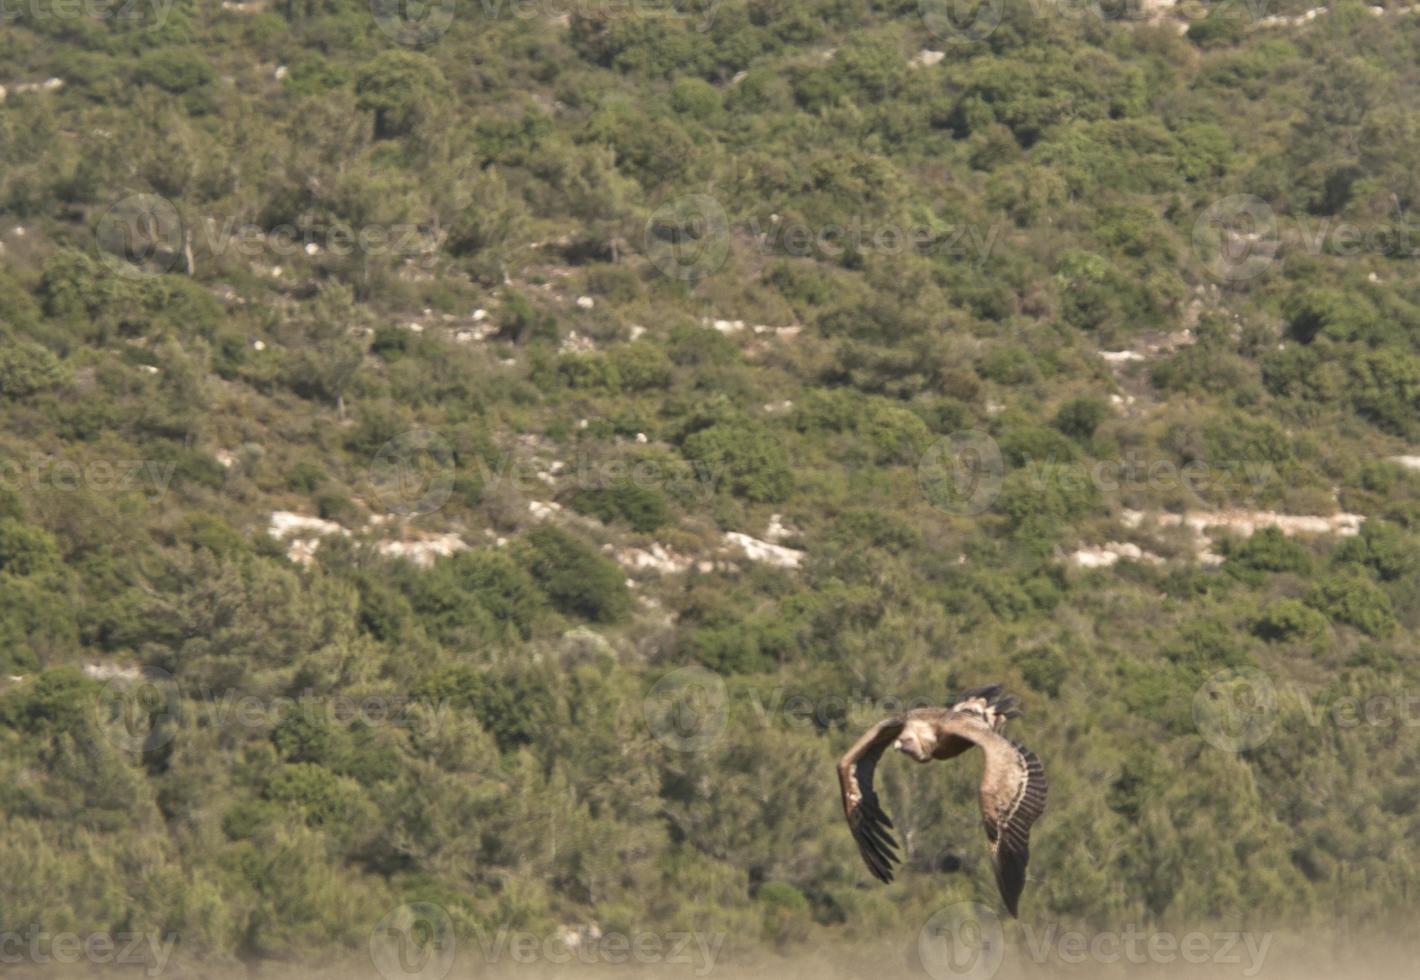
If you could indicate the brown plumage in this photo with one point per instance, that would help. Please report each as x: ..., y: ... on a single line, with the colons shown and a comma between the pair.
x: 1012, y: 793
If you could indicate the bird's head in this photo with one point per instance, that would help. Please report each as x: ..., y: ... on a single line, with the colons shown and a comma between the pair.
x: 916, y: 740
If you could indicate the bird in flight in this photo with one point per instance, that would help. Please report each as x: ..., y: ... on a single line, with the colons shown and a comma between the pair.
x: 1012, y: 793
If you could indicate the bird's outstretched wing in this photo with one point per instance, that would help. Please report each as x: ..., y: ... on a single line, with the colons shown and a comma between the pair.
x: 1009, y: 828
x: 1012, y: 796
x: 872, y: 830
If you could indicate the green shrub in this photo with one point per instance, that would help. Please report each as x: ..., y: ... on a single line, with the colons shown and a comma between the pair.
x: 1038, y: 501
x: 1383, y: 549
x: 1008, y: 365
x: 1288, y: 620
x: 473, y: 597
x: 249, y: 818
x: 1268, y: 550
x: 740, y: 646
x: 1221, y: 28
x: 642, y: 507
x: 25, y: 549
x: 578, y: 580
x: 301, y: 737
x: 521, y: 322
x: 1035, y: 446
x: 829, y: 410
x: 1138, y: 783
x: 1353, y: 601
x: 26, y: 369
x: 896, y: 434
x: 385, y: 612
x: 695, y: 98
x: 391, y: 342
x: 746, y: 458
x: 640, y: 366
x: 588, y: 371
x: 511, y: 705
x: 1384, y: 385
x: 176, y: 70
x: 337, y: 507
x: 59, y: 699
x: 1043, y: 669
x: 402, y: 88
x: 305, y: 477
x: 1079, y: 418
x: 324, y: 799
x: 787, y: 913
x: 18, y: 310
x: 1207, y: 644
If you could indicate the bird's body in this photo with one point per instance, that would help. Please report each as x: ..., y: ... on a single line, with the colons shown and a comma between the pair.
x: 1012, y: 792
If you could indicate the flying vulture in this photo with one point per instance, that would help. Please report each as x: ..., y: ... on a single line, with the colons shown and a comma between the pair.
x: 1012, y: 790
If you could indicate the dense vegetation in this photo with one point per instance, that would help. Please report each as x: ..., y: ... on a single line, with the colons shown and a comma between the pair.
x: 1049, y: 181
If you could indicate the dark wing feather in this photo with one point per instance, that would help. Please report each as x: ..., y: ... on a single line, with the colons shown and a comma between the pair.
x: 871, y: 827
x: 1008, y: 828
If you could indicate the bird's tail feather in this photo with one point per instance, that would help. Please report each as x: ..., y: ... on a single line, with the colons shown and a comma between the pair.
x: 990, y: 703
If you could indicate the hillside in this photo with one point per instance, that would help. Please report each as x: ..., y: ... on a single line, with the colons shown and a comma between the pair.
x: 501, y: 461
